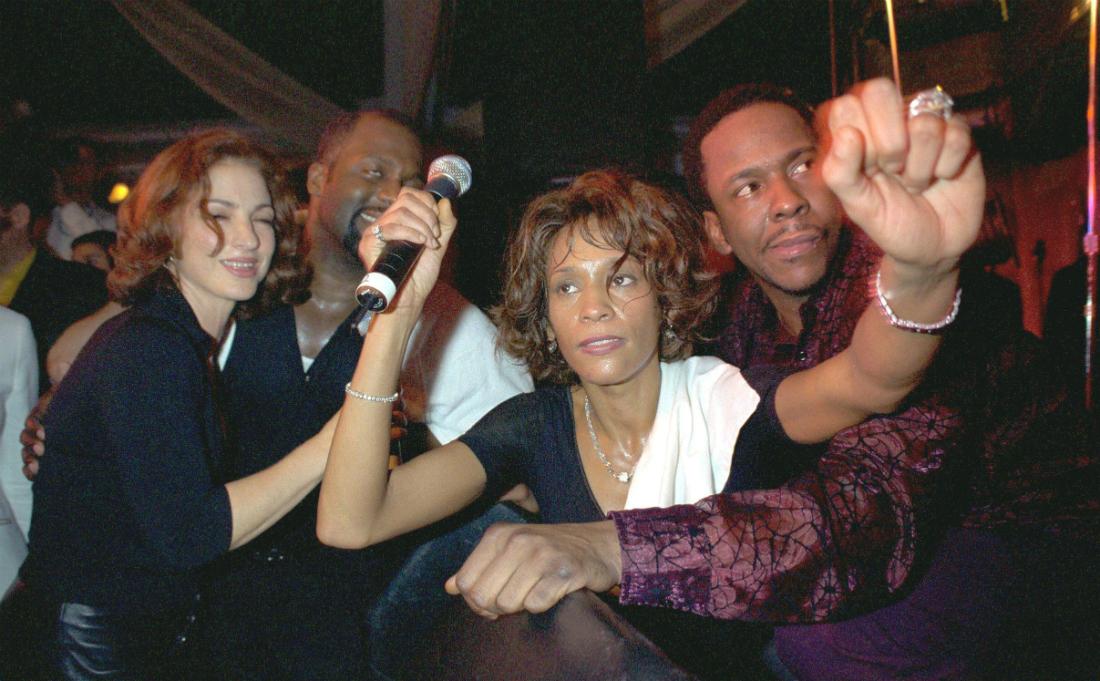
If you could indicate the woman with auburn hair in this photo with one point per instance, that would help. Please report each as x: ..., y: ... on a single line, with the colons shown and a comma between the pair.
x: 133, y: 499
x: 604, y: 289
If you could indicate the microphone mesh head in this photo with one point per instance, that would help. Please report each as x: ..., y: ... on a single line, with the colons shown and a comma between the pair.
x: 454, y: 167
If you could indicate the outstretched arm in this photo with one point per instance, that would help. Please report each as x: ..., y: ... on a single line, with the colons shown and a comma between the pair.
x: 844, y: 534
x: 916, y: 187
x: 361, y: 503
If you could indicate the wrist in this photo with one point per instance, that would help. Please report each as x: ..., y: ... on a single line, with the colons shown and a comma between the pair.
x: 380, y: 359
x: 395, y: 325
x: 901, y: 276
x: 922, y: 304
x: 610, y: 551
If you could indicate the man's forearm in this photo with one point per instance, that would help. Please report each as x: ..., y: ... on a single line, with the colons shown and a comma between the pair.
x: 797, y: 553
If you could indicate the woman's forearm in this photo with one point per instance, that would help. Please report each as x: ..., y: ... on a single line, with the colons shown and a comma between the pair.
x: 355, y: 476
x: 353, y: 489
x: 258, y: 501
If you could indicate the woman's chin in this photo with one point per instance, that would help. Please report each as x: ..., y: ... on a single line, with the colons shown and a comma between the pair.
x: 610, y: 379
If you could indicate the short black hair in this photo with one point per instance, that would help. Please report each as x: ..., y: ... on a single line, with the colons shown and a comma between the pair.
x: 342, y: 124
x: 104, y: 238
x: 729, y: 102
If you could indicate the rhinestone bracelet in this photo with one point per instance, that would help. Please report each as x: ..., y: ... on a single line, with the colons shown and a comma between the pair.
x: 370, y: 398
x: 907, y: 325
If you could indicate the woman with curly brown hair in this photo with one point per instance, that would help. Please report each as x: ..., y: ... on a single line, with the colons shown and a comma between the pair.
x: 133, y: 501
x: 605, y: 288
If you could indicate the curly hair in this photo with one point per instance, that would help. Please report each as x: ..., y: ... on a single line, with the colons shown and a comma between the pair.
x: 148, y: 221
x: 605, y: 208
x: 730, y: 102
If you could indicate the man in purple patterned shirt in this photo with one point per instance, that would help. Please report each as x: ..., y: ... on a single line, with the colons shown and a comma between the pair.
x: 927, y: 501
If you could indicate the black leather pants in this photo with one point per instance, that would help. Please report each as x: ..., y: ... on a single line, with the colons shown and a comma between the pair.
x: 95, y: 644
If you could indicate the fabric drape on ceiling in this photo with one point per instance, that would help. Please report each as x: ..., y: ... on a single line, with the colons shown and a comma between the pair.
x: 411, y: 30
x: 263, y: 95
x: 672, y: 25
x: 231, y: 73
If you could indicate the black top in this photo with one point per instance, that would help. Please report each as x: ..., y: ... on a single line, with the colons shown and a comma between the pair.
x: 130, y: 502
x: 54, y: 294
x: 531, y: 439
x: 274, y: 405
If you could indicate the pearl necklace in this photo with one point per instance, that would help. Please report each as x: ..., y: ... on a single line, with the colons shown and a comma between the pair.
x: 622, y: 476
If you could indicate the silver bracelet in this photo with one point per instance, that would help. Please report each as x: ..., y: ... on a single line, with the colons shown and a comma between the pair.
x: 371, y: 398
x: 907, y: 325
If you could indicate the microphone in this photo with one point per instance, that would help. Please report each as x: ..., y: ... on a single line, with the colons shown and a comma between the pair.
x: 449, y: 177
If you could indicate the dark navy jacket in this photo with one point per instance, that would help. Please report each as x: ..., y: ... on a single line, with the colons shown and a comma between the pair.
x: 130, y: 501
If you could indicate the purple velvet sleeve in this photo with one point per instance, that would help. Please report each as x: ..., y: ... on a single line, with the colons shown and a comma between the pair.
x: 800, y: 552
x: 713, y: 558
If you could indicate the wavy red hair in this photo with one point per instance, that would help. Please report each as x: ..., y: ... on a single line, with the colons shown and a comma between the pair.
x: 148, y: 229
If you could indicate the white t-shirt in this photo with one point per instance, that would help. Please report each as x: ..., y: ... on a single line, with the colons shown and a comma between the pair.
x: 72, y: 220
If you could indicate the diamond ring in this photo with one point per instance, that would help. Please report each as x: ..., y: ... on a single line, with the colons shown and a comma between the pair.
x: 934, y: 101
x: 377, y: 231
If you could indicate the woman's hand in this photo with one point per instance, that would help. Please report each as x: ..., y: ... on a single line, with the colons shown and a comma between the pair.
x: 915, y: 185
x: 416, y: 217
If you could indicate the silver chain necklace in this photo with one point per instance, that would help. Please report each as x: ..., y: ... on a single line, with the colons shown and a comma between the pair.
x: 622, y: 476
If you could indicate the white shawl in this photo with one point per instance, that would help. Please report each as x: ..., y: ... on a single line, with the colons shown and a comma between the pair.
x: 702, y: 406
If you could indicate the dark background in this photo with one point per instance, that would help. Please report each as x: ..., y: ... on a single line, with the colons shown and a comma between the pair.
x: 564, y: 83
x: 79, y: 62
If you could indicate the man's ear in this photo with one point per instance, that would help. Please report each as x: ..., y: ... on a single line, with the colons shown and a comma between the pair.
x: 316, y: 177
x: 715, y: 235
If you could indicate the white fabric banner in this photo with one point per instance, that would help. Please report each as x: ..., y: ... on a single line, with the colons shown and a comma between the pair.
x: 265, y: 96
x: 231, y: 73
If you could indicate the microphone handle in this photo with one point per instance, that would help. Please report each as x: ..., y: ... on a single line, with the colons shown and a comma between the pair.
x: 382, y: 283
x: 397, y: 260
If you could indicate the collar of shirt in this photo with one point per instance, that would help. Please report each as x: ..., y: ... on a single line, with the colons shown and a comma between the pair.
x: 754, y: 335
x: 167, y: 303
x: 9, y: 283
